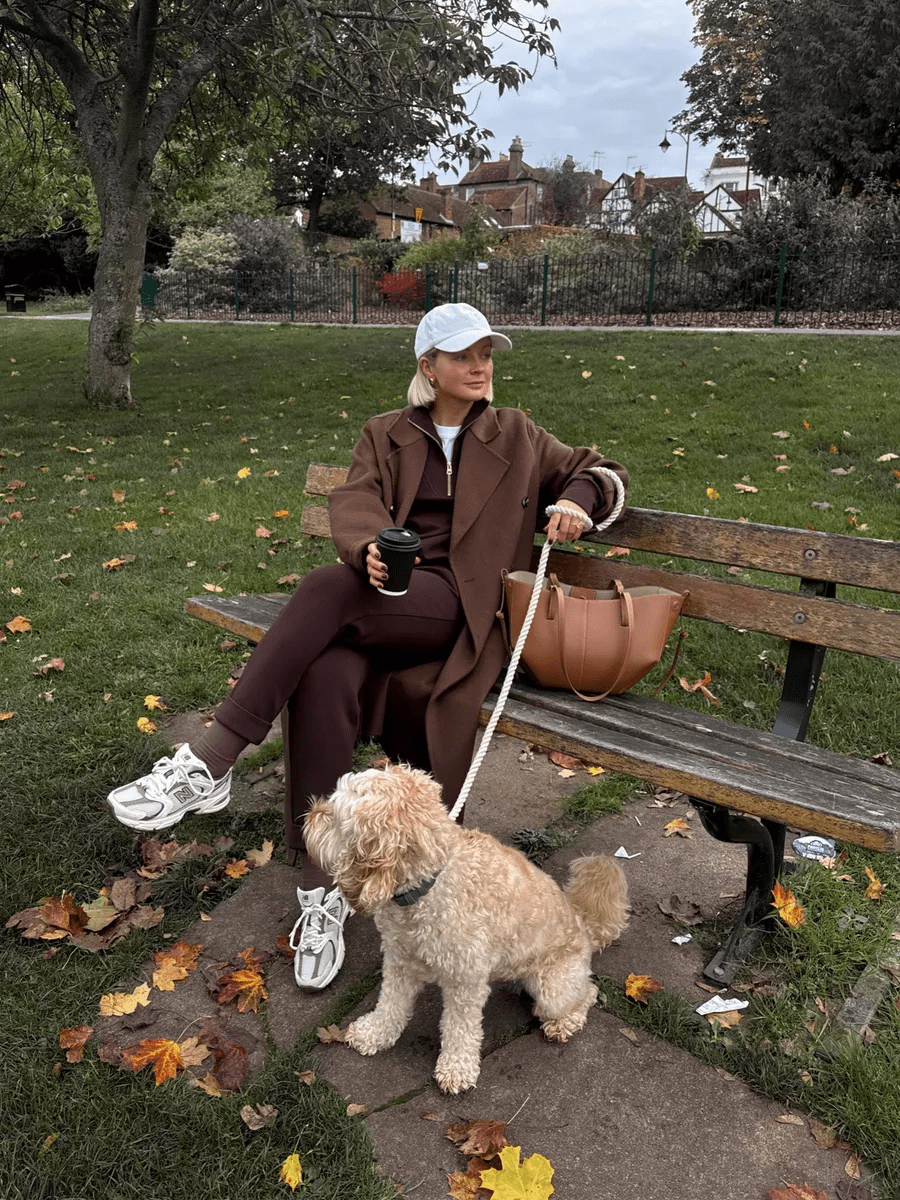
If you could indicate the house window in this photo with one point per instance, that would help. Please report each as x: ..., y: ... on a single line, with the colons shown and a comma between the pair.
x: 732, y: 185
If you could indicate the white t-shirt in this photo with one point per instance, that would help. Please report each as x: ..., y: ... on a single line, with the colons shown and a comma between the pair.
x: 447, y: 434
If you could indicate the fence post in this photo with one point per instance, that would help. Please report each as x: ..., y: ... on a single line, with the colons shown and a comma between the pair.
x: 544, y: 290
x: 237, y: 299
x: 456, y: 281
x: 187, y: 292
x: 353, y: 283
x: 650, y: 288
x: 782, y: 258
x: 427, y: 288
x: 291, y: 292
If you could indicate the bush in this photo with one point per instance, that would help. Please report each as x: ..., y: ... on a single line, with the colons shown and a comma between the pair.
x: 203, y: 250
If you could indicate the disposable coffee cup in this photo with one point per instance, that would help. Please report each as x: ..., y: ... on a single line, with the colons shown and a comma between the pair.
x: 398, y: 549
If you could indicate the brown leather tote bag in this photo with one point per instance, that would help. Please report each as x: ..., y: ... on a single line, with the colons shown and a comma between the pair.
x: 600, y: 641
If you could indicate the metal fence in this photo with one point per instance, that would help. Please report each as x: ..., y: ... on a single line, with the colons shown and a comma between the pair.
x: 619, y: 285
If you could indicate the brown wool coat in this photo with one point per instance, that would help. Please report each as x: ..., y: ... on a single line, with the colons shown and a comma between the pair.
x: 509, y: 471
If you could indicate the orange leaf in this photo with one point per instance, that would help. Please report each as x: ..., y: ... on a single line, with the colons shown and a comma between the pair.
x: 116, y: 564
x: 282, y: 512
x: 699, y: 685
x: 19, y: 625
x: 128, y: 526
x: 677, y: 826
x: 73, y: 1042
x: 246, y: 986
x: 875, y: 890
x: 162, y: 1054
x: 53, y: 664
x: 236, y: 868
x: 617, y: 552
x: 481, y: 1137
x: 145, y: 725
x: 118, y: 496
x: 175, y: 964
x: 63, y: 914
x: 790, y: 911
x: 795, y: 1191
x: 639, y: 987
x: 565, y: 760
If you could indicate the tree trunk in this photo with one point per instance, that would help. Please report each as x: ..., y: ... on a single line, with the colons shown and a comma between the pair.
x: 125, y: 215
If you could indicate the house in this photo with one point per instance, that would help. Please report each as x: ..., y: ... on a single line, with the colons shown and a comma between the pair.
x: 517, y: 191
x: 418, y: 214
x: 721, y: 210
x: 615, y: 210
x: 734, y: 174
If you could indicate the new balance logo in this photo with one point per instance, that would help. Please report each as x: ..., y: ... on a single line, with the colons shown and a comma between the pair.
x: 183, y: 794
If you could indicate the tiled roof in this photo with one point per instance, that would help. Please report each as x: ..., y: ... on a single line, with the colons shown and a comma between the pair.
x: 502, y: 198
x: 498, y: 172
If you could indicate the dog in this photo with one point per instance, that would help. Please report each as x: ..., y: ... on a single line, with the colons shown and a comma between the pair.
x: 457, y: 907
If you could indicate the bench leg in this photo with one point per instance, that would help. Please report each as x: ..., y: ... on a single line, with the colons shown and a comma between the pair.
x: 765, y: 853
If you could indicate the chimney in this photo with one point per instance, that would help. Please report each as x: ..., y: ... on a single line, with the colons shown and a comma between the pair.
x: 515, y: 158
x: 476, y: 158
x: 429, y: 183
x: 448, y: 205
x: 569, y: 164
x: 637, y: 188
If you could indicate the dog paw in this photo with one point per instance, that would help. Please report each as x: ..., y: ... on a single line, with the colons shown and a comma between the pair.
x: 367, y: 1037
x: 454, y: 1078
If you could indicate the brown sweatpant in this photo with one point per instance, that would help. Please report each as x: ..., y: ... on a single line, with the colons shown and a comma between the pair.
x: 332, y: 635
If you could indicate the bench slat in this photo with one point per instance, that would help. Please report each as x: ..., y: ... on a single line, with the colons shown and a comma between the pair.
x: 750, y: 784
x: 836, y: 558
x: 804, y: 553
x: 827, y: 622
x: 247, y: 616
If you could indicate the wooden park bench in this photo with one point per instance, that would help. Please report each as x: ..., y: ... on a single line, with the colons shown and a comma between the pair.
x: 747, y: 785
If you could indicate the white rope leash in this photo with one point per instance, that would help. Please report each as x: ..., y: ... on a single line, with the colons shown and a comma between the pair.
x: 526, y: 625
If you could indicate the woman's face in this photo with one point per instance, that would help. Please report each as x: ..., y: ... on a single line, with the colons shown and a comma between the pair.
x: 462, y: 375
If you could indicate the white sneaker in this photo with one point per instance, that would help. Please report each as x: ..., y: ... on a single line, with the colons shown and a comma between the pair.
x: 175, y: 787
x: 318, y: 937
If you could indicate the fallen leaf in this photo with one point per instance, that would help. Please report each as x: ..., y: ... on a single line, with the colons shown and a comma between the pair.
x: 744, y: 487
x: 243, y: 473
x: 126, y: 526
x: 262, y: 532
x: 875, y: 890
x: 154, y: 704
x: 53, y: 664
x: 852, y: 1167
x: 481, y: 1137
x: 782, y: 433
x: 307, y: 1077
x: 212, y: 587
x: 727, y: 1019
x: 787, y: 1118
x: 174, y: 965
x: 117, y: 1004
x: 565, y: 760
x: 679, y: 827
x: 515, y: 1180
x: 208, y: 1084
x: 260, y: 1116
x: 291, y: 1171
x: 357, y: 1110
x: 887, y: 457
x: 145, y: 725
x: 236, y: 868
x: 790, y: 911
x: 331, y: 1033
x: 116, y: 564
x: 617, y: 552
x: 162, y: 1054
x: 244, y: 985
x: 699, y: 685
x: 19, y: 625
x: 73, y: 1042
x: 639, y: 987
x: 259, y: 858
x: 630, y: 1034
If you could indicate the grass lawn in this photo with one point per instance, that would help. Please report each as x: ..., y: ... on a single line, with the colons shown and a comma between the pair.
x: 202, y: 488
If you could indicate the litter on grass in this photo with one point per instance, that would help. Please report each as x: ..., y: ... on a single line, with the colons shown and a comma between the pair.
x: 623, y: 853
x: 814, y: 847
x: 719, y: 1004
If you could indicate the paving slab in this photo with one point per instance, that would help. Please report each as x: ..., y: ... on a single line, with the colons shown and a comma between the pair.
x: 616, y: 1120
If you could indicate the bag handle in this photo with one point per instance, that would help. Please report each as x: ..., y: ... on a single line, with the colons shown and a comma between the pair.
x: 627, y: 607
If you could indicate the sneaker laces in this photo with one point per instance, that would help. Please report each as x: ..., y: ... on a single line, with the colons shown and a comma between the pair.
x: 311, y: 926
x: 166, y: 772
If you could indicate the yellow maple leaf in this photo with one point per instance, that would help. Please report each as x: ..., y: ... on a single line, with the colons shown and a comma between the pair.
x: 118, y: 496
x: 529, y: 1180
x: 639, y: 987
x: 145, y: 725
x: 19, y: 625
x: 875, y: 890
x: 291, y: 1171
x: 162, y: 1054
x: 118, y: 1004
x: 128, y: 526
x: 282, y: 512
x: 789, y: 909
x: 154, y: 702
x: 712, y: 493
x: 237, y: 868
x: 175, y: 964
x: 243, y: 473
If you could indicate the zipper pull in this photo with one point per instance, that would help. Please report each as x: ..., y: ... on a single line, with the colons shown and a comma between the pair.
x: 449, y: 476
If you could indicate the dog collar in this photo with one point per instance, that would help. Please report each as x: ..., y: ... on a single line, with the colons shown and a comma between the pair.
x: 405, y: 899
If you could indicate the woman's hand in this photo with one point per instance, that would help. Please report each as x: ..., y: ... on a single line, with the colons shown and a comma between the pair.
x: 376, y: 568
x: 568, y: 526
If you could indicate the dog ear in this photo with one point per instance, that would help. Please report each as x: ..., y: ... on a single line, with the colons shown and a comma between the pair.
x: 394, y: 837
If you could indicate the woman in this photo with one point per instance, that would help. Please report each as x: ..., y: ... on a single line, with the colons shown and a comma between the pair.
x: 473, y: 482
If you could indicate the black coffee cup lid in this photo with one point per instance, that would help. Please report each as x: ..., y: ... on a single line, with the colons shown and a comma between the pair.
x: 398, y: 538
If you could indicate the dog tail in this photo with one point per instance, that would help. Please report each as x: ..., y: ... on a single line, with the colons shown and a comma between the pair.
x: 599, y: 894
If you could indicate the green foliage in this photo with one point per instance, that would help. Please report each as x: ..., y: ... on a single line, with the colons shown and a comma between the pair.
x: 231, y: 189
x: 666, y: 222
x: 203, y: 250
x: 567, y: 189
x: 475, y: 243
x: 806, y: 86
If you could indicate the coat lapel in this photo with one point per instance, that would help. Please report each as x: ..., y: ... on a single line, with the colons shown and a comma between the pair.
x: 406, y: 462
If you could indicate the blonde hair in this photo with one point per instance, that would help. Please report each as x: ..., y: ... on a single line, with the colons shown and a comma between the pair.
x: 421, y: 394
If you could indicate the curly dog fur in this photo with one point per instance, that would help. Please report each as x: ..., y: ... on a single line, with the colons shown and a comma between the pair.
x: 490, y: 915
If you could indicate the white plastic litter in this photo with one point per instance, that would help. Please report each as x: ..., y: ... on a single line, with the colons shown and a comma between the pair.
x: 683, y: 939
x: 719, y: 1004
x: 623, y: 853
x: 814, y: 847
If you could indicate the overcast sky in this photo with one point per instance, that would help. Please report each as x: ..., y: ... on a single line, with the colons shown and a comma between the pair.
x: 610, y: 98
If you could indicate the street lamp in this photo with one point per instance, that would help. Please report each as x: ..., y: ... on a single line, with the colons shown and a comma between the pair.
x: 686, y: 138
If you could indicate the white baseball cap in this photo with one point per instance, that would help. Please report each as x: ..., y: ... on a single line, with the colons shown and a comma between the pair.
x: 455, y: 327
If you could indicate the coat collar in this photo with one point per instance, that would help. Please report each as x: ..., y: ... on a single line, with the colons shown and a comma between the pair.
x: 481, y: 421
